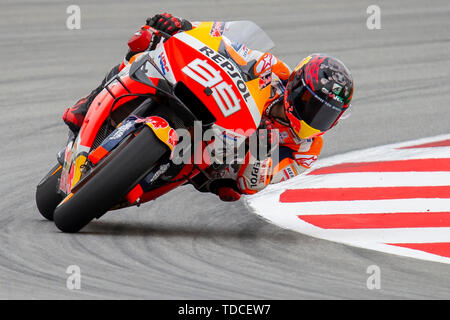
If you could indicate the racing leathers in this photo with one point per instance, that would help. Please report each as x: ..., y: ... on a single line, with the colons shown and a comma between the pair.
x: 294, y: 155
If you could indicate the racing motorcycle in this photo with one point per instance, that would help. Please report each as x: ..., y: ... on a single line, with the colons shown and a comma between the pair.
x: 122, y: 155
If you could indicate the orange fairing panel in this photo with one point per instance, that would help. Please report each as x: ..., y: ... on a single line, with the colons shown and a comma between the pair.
x: 203, y: 32
x: 261, y: 96
x: 206, y: 33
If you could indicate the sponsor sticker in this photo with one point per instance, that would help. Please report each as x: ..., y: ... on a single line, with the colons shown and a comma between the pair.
x: 217, y: 29
x: 163, y: 63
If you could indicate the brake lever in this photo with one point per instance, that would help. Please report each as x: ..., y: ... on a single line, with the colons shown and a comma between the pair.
x: 159, y: 33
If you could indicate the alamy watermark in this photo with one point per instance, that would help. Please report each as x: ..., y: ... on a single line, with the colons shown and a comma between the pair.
x: 219, y: 146
x: 73, y: 21
x: 73, y: 281
x: 374, y: 280
x: 373, y: 21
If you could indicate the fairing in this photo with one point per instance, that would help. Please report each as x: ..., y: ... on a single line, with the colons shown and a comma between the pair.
x: 192, y: 58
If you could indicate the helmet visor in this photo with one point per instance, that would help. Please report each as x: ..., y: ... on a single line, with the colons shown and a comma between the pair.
x: 301, y: 128
x: 317, y: 112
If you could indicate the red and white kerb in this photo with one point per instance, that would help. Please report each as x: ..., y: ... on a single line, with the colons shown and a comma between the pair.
x: 393, y: 198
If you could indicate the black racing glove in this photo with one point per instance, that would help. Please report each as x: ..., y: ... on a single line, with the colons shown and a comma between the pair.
x: 168, y: 23
x: 226, y: 189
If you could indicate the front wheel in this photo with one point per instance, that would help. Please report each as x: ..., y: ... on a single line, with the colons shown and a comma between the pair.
x: 124, y: 168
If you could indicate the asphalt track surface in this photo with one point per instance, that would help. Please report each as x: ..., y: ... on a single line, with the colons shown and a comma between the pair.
x: 188, y: 245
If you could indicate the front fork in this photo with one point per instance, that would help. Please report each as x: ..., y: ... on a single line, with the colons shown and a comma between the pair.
x: 131, y: 125
x: 61, y: 155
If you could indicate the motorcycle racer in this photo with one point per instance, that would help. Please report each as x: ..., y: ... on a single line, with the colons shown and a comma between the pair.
x: 315, y: 97
x: 303, y: 105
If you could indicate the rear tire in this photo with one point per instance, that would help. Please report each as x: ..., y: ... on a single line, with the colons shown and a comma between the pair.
x: 47, y: 196
x: 125, y: 167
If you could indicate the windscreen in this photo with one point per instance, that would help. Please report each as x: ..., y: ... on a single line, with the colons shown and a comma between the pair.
x: 249, y: 34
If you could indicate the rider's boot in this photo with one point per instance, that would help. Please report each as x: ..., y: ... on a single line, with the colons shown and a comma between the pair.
x: 74, y: 116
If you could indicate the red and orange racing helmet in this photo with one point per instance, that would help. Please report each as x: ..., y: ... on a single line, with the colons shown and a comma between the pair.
x: 317, y: 94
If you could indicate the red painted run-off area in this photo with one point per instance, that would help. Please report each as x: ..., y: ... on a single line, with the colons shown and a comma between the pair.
x: 438, y: 248
x: 417, y: 165
x: 353, y: 194
x: 443, y: 143
x: 381, y: 220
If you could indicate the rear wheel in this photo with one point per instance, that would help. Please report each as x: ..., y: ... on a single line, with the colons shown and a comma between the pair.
x: 122, y: 170
x: 47, y: 195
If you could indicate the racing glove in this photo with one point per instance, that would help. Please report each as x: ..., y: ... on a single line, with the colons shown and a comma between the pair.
x: 228, y: 194
x: 265, y: 141
x: 145, y: 39
x: 168, y: 23
x: 226, y: 189
x: 268, y: 133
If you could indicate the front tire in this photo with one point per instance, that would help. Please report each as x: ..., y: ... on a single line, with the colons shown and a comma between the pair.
x: 125, y: 167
